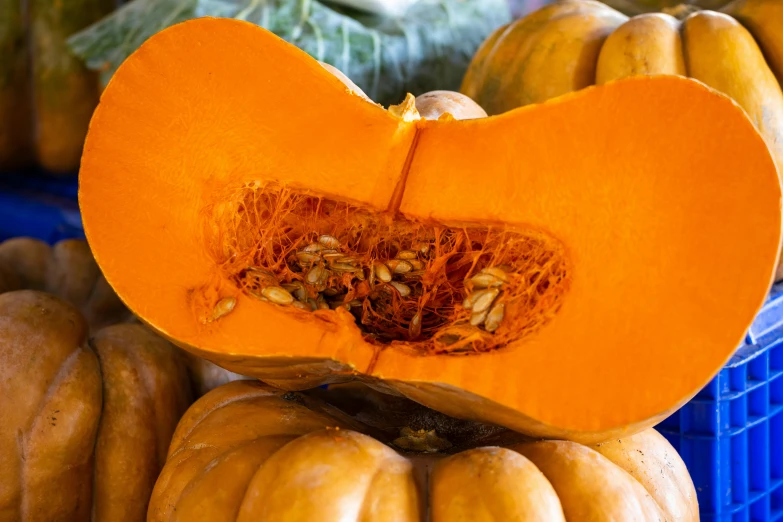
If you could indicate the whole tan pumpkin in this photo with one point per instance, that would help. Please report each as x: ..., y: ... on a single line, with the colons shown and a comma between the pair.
x: 84, y: 421
x: 573, y: 44
x: 66, y: 270
x: 246, y: 452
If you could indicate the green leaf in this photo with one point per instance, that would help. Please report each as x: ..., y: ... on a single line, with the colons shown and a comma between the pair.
x: 427, y: 48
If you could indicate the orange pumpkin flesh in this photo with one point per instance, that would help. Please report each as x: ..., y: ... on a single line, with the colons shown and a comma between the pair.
x: 201, y: 162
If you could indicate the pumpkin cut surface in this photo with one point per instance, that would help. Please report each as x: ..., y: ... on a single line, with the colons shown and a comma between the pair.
x: 567, y: 270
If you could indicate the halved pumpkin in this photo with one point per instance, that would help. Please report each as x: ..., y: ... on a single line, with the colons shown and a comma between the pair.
x: 574, y: 269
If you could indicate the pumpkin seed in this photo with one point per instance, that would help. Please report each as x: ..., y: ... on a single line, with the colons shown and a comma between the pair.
x: 495, y: 271
x: 416, y: 264
x: 482, y: 299
x: 257, y: 296
x: 484, y: 280
x: 349, y: 260
x: 331, y: 292
x: 407, y: 254
x: 300, y: 305
x: 313, y: 248
x: 321, y: 303
x: 329, y: 241
x: 313, y: 304
x: 316, y: 275
x: 278, y: 295
x: 223, y: 307
x: 331, y: 257
x: 399, y: 266
x: 402, y: 288
x: 297, y: 289
x: 382, y: 272
x: 477, y: 318
x: 307, y: 258
x: 355, y: 303
x: 495, y: 317
x: 414, y: 329
x: 342, y: 267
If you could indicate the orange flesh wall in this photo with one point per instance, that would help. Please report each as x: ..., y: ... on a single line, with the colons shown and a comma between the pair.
x: 629, y: 231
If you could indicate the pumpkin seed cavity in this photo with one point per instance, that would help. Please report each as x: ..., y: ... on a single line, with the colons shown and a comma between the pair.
x: 425, y: 287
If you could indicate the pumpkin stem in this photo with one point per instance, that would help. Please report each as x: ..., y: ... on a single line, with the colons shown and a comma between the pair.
x: 406, y: 110
x: 407, y: 425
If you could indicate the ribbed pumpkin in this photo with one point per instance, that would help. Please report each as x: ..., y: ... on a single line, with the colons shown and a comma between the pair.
x: 69, y: 271
x: 246, y: 452
x: 66, y: 270
x: 533, y: 270
x: 47, y: 95
x: 572, y: 44
x: 84, y: 421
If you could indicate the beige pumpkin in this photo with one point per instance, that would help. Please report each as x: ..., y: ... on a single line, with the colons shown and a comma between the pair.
x: 85, y: 421
x: 66, y: 270
x: 247, y: 452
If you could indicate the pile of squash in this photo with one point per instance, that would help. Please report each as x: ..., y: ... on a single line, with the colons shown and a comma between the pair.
x: 47, y: 95
x: 497, y: 309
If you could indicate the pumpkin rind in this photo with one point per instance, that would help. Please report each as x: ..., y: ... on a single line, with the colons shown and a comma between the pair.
x: 262, y: 455
x: 602, y: 173
x: 66, y: 270
x: 84, y: 424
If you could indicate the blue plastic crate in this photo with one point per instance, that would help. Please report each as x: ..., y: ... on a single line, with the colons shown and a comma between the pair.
x: 34, y: 205
x: 731, y: 434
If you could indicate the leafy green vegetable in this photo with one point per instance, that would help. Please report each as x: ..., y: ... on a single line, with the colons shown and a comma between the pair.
x: 427, y: 48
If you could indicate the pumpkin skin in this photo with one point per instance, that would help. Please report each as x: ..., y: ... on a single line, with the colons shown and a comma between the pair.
x: 248, y: 452
x: 573, y: 44
x: 155, y: 225
x: 84, y: 424
x: 47, y: 95
x: 206, y: 375
x: 66, y: 270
